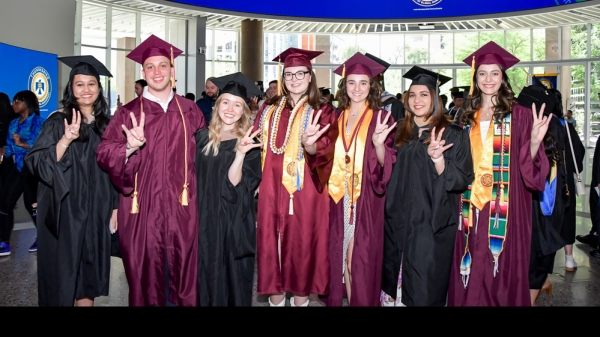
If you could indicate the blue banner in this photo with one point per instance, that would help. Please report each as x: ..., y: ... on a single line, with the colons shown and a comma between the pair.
x: 33, y: 70
x: 548, y: 80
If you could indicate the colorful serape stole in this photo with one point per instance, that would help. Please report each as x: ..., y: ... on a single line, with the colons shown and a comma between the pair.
x: 499, y: 182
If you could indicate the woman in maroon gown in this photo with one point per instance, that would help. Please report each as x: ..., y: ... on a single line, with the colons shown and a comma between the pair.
x: 298, y: 133
x: 491, y: 254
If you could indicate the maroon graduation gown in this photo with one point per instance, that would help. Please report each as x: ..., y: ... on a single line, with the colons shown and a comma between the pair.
x: 367, y: 255
x: 163, y: 228
x: 510, y: 287
x: 305, y: 234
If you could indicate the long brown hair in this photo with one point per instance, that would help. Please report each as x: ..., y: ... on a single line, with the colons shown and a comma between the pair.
x: 504, y: 99
x: 313, y: 92
x: 216, y: 123
x: 407, y: 125
x: 373, y: 99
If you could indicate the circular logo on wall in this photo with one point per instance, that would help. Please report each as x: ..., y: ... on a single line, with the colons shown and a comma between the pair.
x: 40, y: 84
x: 427, y: 3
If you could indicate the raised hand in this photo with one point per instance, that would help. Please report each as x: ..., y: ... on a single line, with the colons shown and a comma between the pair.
x: 382, y: 130
x: 135, y: 135
x: 247, y: 143
x: 540, y: 124
x: 253, y: 104
x: 313, y: 131
x: 72, y: 130
x: 437, y: 146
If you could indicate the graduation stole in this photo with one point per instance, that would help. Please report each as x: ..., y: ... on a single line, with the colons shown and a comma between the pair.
x: 292, y: 150
x: 491, y: 161
x: 347, y: 166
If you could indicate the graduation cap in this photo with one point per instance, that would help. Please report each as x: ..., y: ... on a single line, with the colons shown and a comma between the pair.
x: 85, y: 65
x: 361, y: 65
x: 294, y: 57
x: 237, y: 84
x: 325, y: 91
x: 490, y: 53
x: 386, y: 65
x: 459, y: 91
x: 428, y: 78
x: 155, y: 46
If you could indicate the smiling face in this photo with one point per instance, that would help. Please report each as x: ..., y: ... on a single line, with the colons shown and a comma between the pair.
x: 489, y: 78
x: 157, y: 72
x: 231, y: 108
x: 85, y: 89
x: 293, y: 85
x: 358, y: 87
x: 419, y: 100
x: 211, y: 90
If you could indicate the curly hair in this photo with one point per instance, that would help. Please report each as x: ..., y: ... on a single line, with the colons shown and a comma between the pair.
x: 216, y: 124
x: 313, y: 92
x: 100, y: 109
x: 373, y: 98
x: 504, y: 99
x: 407, y: 125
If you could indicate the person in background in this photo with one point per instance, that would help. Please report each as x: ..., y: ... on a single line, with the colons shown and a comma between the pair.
x: 228, y: 172
x: 389, y: 101
x: 269, y: 93
x: 17, y: 179
x: 207, y: 102
x: 77, y: 201
x: 569, y: 118
x: 457, y: 94
x: 326, y: 96
x: 190, y: 96
x: 139, y: 87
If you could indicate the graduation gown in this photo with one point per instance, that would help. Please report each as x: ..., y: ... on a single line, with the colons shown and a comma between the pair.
x: 510, y: 286
x: 367, y: 255
x: 164, y: 231
x: 75, y: 202
x: 421, y: 214
x: 304, y: 235
x: 570, y: 220
x: 227, y: 227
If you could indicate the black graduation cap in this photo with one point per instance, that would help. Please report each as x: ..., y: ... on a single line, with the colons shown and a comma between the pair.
x: 237, y: 84
x: 325, y: 91
x: 378, y: 60
x: 426, y: 77
x: 85, y: 65
x: 459, y: 91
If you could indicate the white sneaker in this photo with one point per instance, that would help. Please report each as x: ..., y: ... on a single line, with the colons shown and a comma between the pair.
x: 570, y: 264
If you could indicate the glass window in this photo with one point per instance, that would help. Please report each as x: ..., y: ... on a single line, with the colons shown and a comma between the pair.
x: 441, y: 48
x: 578, y: 42
x: 224, y: 68
x: 122, y: 84
x: 595, y: 33
x: 463, y: 77
x: 518, y: 79
x: 464, y: 45
x: 123, y: 29
x: 209, y: 44
x: 416, y: 48
x: 208, y: 71
x: 487, y: 36
x: 269, y: 74
x: 518, y: 43
x: 368, y: 43
x: 342, y: 47
x: 226, y: 45
x: 393, y: 81
x: 393, y: 50
x: 152, y: 24
x: 93, y: 25
x: 177, y: 33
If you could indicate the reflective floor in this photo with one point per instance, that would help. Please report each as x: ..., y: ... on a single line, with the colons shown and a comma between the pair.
x: 18, y: 277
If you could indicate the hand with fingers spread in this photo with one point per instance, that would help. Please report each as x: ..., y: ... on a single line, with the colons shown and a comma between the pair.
x: 72, y: 130
x: 313, y: 132
x: 382, y: 130
x: 135, y: 135
x: 437, y: 146
x: 247, y: 143
x: 540, y: 124
x: 253, y: 104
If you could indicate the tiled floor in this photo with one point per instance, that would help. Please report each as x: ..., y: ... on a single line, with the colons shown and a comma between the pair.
x: 18, y: 277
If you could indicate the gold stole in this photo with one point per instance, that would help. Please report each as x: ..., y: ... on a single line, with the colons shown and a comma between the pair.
x: 341, y: 158
x: 481, y: 189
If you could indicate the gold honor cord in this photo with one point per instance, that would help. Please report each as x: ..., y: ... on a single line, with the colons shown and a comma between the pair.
x: 183, y: 198
x: 134, y: 201
x: 472, y: 74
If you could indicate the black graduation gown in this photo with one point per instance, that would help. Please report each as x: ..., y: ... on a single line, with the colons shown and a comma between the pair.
x: 546, y: 229
x: 227, y: 225
x: 75, y: 202
x: 395, y: 106
x: 570, y: 220
x: 421, y: 214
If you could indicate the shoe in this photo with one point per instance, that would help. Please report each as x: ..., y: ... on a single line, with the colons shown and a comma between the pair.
x: 4, y: 249
x: 547, y: 289
x: 570, y: 264
x: 281, y: 304
x: 292, y: 304
x: 593, y: 253
x: 33, y: 247
x: 588, y: 239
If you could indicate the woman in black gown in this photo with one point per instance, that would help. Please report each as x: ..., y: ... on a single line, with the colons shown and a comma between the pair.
x: 228, y: 171
x: 77, y: 203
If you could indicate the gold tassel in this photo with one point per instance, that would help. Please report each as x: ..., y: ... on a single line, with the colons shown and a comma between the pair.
x: 183, y: 198
x: 472, y: 74
x: 134, y: 202
x: 501, y: 194
x: 291, y: 212
x: 172, y: 65
x: 279, y: 84
x: 344, y: 71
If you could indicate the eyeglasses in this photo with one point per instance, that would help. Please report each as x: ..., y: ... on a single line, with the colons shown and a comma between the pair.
x: 16, y: 101
x: 299, y: 75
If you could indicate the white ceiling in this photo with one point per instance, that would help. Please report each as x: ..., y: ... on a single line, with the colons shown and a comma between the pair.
x: 577, y: 13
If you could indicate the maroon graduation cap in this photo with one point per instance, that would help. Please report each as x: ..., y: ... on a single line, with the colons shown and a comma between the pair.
x: 359, y: 64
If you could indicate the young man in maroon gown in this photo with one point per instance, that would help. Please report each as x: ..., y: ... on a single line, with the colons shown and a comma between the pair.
x: 148, y: 149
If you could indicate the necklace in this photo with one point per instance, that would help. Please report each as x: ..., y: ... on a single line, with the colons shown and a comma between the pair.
x: 275, y: 127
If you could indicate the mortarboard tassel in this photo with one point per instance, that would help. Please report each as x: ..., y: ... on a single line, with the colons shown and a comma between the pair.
x: 134, y: 202
x: 172, y: 65
x: 183, y: 198
x: 472, y: 74
x: 279, y: 84
x: 291, y: 212
x: 344, y: 71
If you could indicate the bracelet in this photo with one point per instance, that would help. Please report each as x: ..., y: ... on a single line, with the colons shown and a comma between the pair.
x: 437, y: 160
x: 66, y: 146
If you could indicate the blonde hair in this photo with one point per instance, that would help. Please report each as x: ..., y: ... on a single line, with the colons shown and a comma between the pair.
x: 216, y: 123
